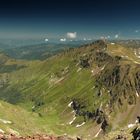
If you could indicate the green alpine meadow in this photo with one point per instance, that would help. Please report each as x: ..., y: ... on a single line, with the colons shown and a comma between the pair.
x: 87, y: 92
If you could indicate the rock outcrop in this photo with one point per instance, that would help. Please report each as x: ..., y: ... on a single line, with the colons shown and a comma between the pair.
x: 34, y: 137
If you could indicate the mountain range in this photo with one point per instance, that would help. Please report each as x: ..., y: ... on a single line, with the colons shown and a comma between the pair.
x: 90, y: 91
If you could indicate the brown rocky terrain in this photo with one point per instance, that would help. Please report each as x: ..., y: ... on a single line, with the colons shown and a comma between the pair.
x: 34, y: 137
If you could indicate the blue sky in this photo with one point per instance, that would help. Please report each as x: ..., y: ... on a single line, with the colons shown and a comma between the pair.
x: 56, y: 18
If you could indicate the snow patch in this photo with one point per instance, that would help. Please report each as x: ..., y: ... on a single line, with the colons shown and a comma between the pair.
x: 131, y: 125
x: 1, y: 131
x: 92, y: 71
x: 79, y: 69
x: 72, y: 120
x: 33, y: 107
x: 65, y: 134
x: 73, y: 111
x: 69, y: 105
x: 137, y: 94
x: 137, y: 55
x: 98, y: 133
x: 112, y: 43
x: 136, y: 121
x: 5, y: 121
x: 79, y: 125
x: 136, y: 62
x: 103, y: 68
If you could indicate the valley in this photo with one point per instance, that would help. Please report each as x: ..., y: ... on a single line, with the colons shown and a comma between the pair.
x: 90, y: 91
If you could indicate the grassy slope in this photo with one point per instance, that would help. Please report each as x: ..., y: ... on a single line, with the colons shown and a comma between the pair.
x: 125, y: 52
x: 22, y: 121
x: 55, y: 82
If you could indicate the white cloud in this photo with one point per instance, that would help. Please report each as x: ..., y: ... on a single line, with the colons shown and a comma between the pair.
x: 71, y: 35
x: 46, y: 39
x: 112, y: 43
x: 105, y: 37
x: 116, y: 36
x: 136, y: 31
x: 63, y: 39
x: 84, y: 39
x: 108, y: 36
